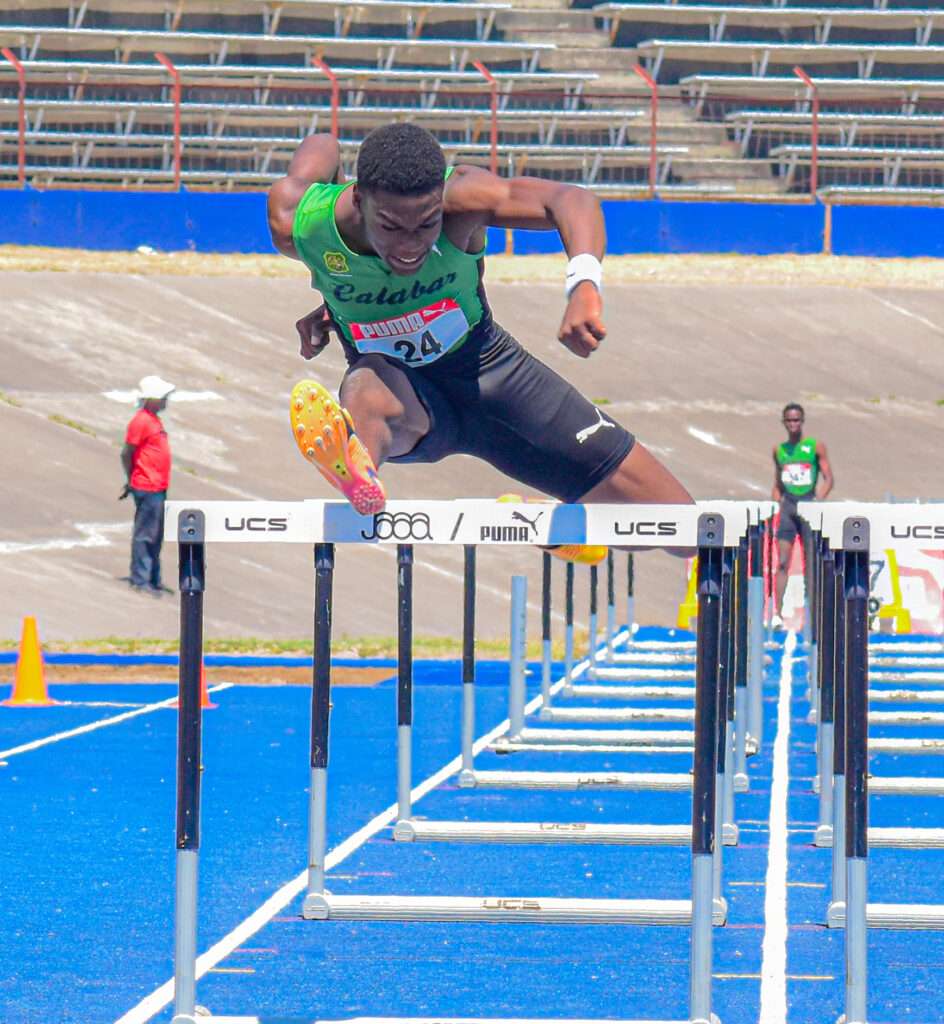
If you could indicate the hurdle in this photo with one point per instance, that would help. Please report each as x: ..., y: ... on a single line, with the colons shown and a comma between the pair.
x: 851, y: 533
x: 323, y: 525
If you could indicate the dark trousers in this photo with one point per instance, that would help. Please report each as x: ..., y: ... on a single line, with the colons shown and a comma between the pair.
x: 147, y: 537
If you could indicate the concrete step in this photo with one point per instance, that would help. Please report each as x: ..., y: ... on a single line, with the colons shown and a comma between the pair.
x: 693, y: 168
x: 565, y: 20
x: 541, y: 5
x: 604, y: 61
x: 571, y: 38
x: 735, y: 186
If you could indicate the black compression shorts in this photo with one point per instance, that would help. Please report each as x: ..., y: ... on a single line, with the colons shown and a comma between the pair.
x: 791, y: 525
x: 494, y: 400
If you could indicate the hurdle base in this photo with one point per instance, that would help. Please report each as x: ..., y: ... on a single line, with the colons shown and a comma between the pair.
x: 812, y: 716
x: 730, y: 834
x: 751, y: 746
x: 905, y: 916
x: 466, y: 778
x: 501, y: 910
x: 436, y: 1020
x: 823, y: 835
x: 629, y: 738
x: 742, y: 782
x: 719, y: 911
x: 836, y: 914
x: 667, y: 782
x: 541, y: 832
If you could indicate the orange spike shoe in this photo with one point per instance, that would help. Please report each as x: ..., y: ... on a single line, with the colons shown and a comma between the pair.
x: 324, y: 433
x: 582, y: 554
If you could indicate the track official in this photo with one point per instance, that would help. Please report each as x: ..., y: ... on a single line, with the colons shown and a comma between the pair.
x: 146, y: 460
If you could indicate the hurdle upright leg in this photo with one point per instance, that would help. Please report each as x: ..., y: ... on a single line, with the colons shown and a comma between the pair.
x: 546, y: 630
x: 320, y: 716
x: 404, y: 680
x: 739, y: 780
x: 836, y: 914
x: 755, y: 618
x: 594, y: 616
x: 568, y: 690
x: 630, y: 597
x: 192, y: 583
x: 466, y: 773
x: 704, y: 794
x: 610, y: 607
x: 720, y: 745
x: 517, y: 662
x: 827, y: 691
x: 856, y: 548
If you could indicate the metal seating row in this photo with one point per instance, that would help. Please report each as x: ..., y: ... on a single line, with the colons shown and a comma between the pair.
x: 217, y: 48
x: 411, y: 17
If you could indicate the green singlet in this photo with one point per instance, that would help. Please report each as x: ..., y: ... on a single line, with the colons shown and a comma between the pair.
x: 415, y: 319
x: 799, y: 467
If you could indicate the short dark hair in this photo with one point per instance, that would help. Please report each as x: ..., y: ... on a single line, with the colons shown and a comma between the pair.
x: 791, y: 406
x: 402, y: 158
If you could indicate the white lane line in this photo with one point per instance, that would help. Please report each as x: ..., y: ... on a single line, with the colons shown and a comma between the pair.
x: 100, y: 724
x: 708, y: 438
x: 773, y: 986
x: 908, y: 313
x: 280, y: 899
x: 94, y: 535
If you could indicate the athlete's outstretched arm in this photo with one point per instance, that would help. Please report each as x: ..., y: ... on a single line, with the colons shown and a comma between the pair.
x: 318, y: 158
x: 537, y: 204
x: 534, y: 204
x: 826, y: 479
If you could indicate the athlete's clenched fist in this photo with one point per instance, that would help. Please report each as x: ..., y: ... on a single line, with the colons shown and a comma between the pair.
x: 314, y: 331
x: 582, y: 328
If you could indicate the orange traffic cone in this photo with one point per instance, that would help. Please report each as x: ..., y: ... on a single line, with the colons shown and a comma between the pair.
x: 29, y: 683
x: 205, y: 701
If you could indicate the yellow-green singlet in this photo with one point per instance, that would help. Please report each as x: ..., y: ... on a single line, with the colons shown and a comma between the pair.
x: 415, y: 319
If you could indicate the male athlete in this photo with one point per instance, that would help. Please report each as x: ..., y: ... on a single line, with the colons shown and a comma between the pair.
x: 801, y: 473
x: 398, y: 257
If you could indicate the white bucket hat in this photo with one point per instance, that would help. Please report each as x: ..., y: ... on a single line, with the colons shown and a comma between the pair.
x: 154, y: 387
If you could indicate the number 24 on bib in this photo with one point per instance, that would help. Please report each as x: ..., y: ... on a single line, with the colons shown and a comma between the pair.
x: 416, y: 338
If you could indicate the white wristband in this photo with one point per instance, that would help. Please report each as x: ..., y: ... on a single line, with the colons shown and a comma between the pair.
x: 583, y: 267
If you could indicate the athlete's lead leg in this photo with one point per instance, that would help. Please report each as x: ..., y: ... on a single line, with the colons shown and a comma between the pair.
x: 640, y: 478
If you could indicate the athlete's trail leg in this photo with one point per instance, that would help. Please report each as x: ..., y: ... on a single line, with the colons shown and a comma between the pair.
x: 785, y: 551
x: 388, y: 416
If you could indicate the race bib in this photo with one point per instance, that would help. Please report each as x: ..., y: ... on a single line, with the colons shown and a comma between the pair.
x: 416, y: 338
x: 797, y: 474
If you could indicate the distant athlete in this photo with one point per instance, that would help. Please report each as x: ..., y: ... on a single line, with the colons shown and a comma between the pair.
x: 398, y: 256
x: 801, y: 473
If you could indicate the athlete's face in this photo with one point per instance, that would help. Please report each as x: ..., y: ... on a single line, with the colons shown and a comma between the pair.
x: 793, y: 421
x: 401, y: 229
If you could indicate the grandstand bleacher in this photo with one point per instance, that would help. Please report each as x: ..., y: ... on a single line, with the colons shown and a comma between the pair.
x: 733, y: 118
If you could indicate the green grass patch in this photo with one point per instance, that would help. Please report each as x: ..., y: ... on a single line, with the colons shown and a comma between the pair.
x: 10, y: 400
x: 72, y: 425
x: 343, y: 646
x: 601, y: 401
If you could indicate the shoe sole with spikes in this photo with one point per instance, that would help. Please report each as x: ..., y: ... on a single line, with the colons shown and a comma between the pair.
x: 324, y: 433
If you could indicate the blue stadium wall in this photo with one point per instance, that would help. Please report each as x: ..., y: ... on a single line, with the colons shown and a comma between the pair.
x: 235, y: 222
